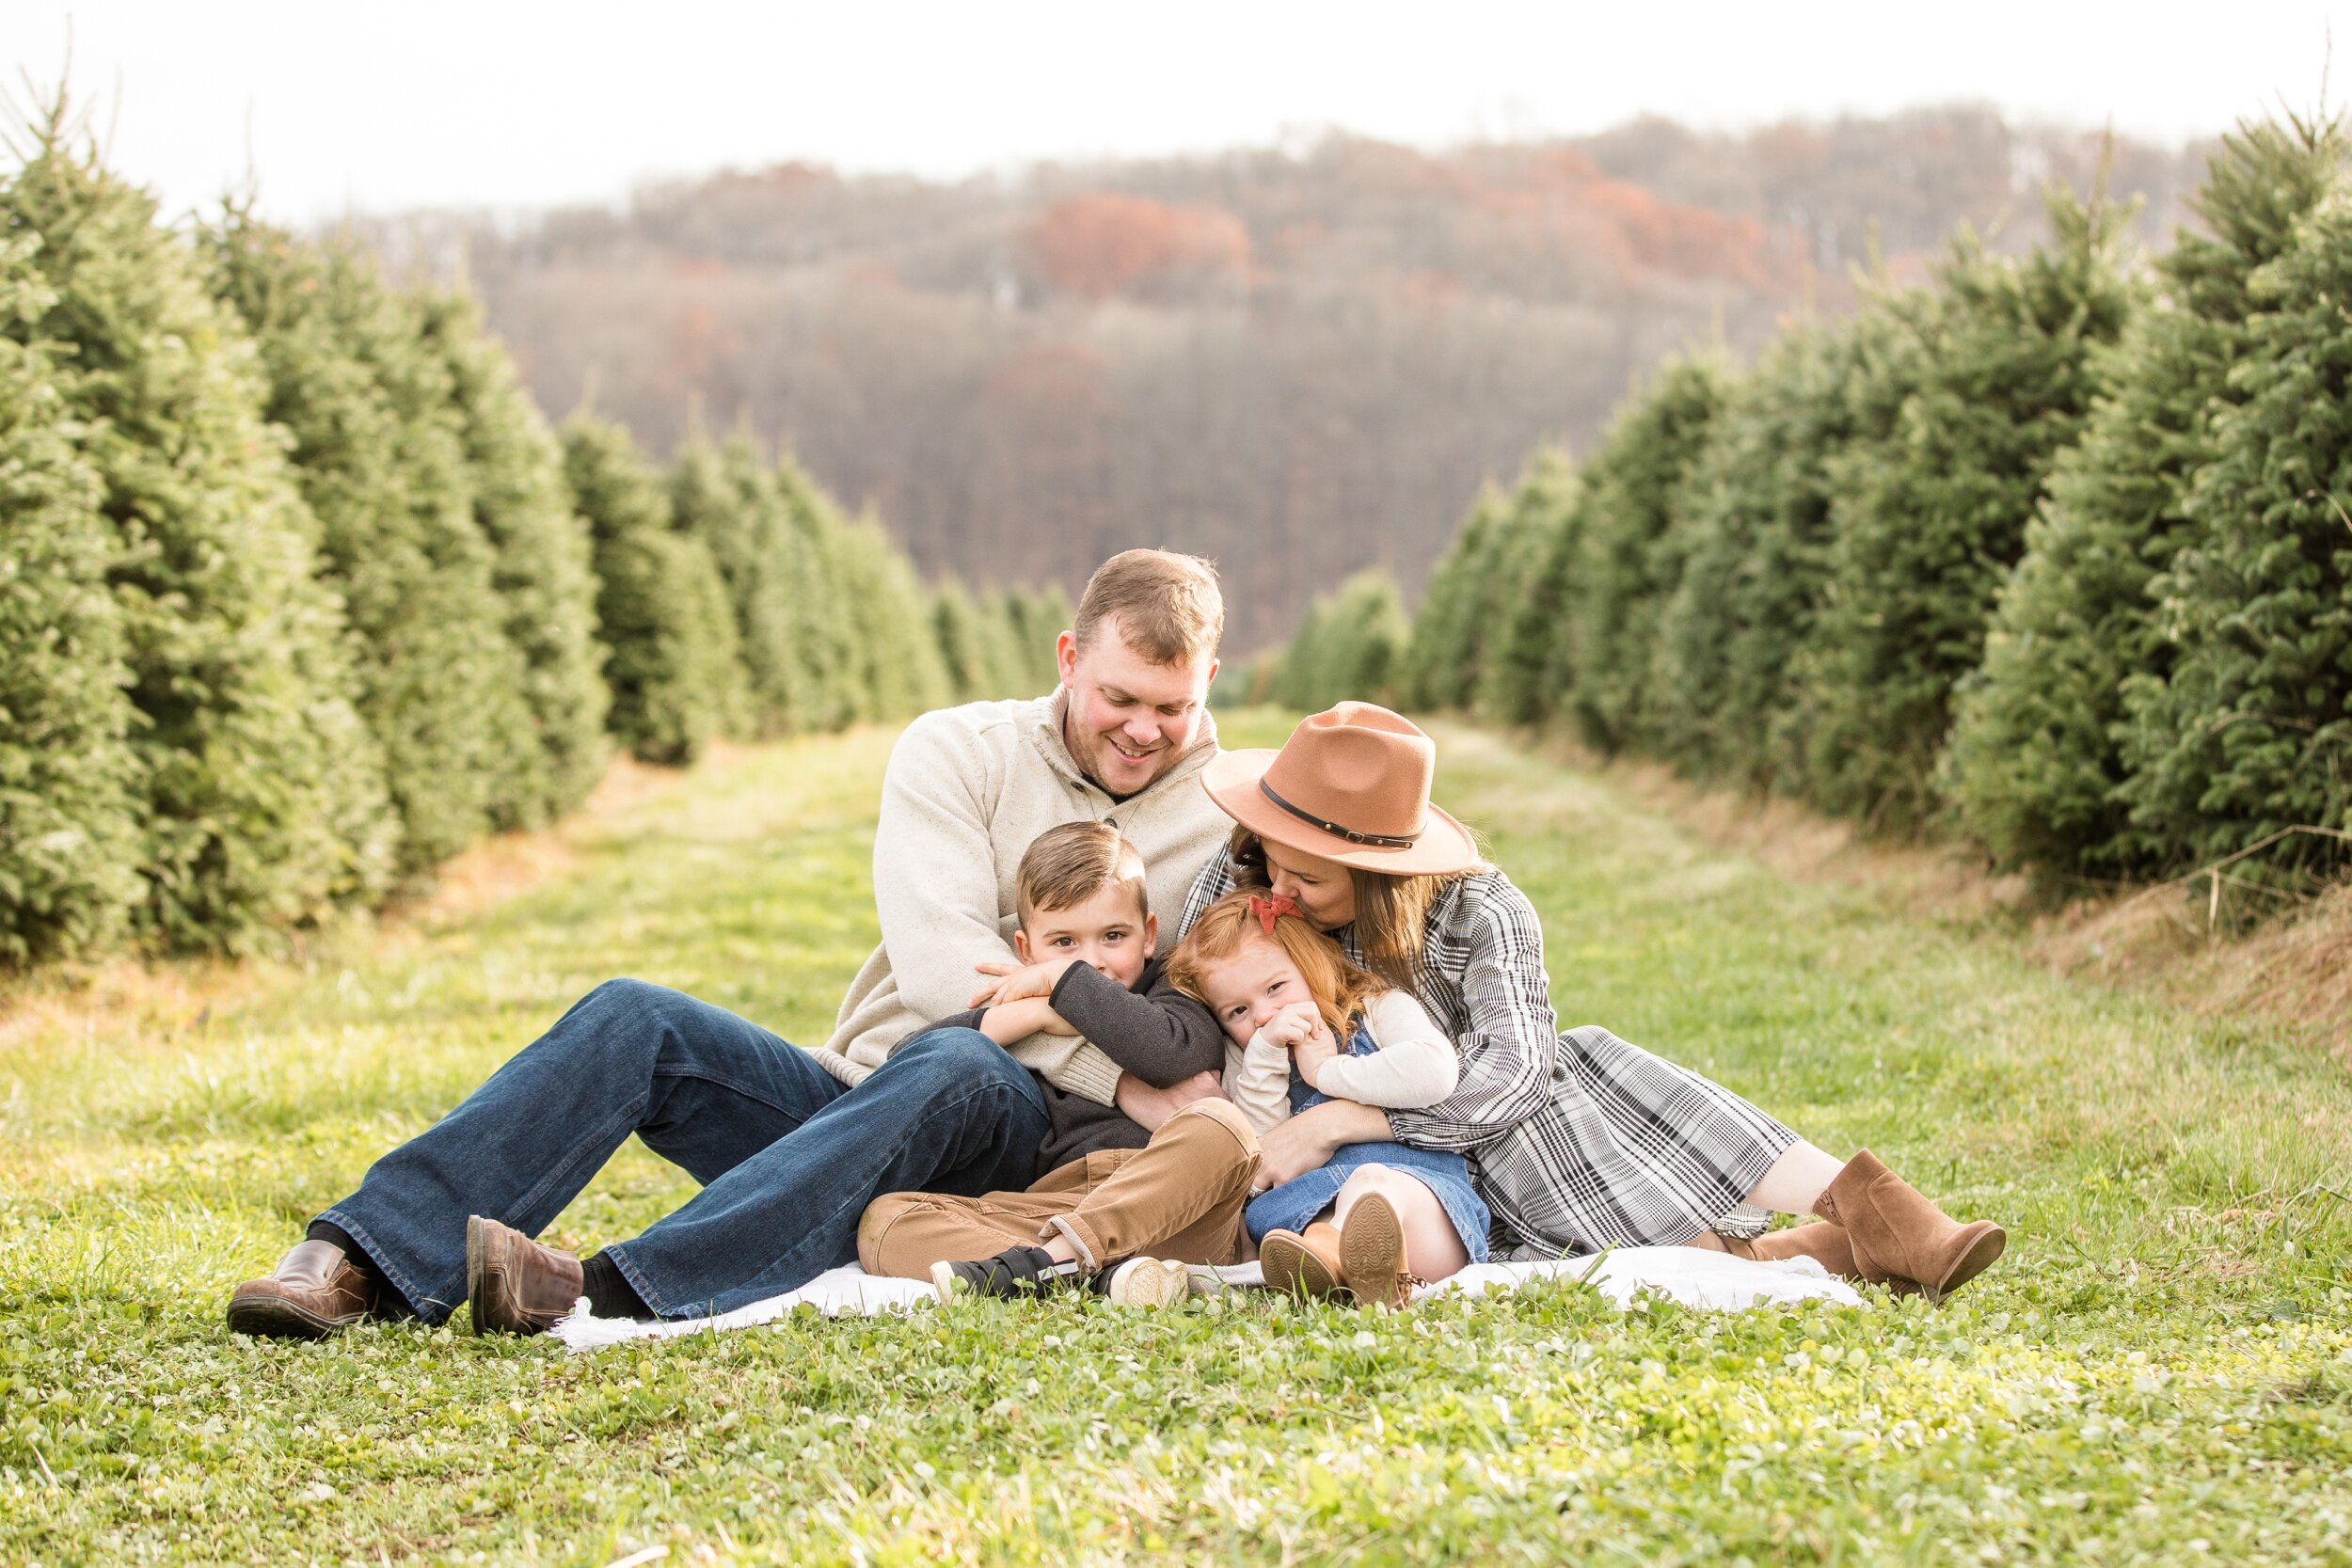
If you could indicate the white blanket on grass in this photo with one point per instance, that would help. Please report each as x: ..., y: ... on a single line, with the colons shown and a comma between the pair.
x: 1709, y: 1280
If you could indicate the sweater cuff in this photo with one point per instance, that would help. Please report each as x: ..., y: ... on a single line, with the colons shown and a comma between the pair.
x: 1091, y: 1073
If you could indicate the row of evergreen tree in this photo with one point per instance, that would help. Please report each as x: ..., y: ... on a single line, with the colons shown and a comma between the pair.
x: 2047, y: 551
x: 299, y: 594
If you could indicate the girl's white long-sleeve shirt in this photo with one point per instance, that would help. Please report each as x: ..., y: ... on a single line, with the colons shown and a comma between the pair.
x: 1415, y: 1066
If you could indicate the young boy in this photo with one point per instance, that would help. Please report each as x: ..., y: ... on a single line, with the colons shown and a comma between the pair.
x: 1107, y: 1190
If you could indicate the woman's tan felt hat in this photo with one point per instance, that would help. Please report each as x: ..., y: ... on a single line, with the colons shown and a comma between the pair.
x: 1352, y: 786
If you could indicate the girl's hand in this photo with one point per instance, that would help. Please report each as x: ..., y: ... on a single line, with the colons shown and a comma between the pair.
x: 1311, y: 1055
x: 1296, y: 1023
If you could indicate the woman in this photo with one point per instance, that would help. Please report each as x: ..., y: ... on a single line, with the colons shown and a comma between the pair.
x: 1580, y: 1141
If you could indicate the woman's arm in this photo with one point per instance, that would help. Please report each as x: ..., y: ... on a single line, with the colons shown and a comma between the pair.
x: 1513, y: 1037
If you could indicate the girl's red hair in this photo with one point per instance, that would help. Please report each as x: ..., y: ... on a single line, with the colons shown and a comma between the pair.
x: 1339, y: 987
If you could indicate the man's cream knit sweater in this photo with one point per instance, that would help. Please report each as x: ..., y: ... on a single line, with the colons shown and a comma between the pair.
x: 966, y: 791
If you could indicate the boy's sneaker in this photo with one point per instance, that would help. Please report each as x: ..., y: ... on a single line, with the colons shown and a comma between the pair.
x: 1144, y: 1282
x: 1020, y: 1271
x: 1029, y: 1271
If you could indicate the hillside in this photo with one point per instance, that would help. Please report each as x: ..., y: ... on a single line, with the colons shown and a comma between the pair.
x: 1296, y: 359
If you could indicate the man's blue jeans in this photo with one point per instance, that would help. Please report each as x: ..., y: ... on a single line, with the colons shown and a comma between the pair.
x: 788, y: 1157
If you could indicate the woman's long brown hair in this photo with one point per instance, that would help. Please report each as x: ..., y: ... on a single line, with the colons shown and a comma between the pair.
x: 1392, y: 913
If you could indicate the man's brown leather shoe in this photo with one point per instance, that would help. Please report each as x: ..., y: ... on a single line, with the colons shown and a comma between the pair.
x: 314, y: 1292
x: 516, y: 1285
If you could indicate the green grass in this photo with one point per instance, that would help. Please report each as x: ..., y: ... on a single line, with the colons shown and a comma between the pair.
x: 2160, y: 1369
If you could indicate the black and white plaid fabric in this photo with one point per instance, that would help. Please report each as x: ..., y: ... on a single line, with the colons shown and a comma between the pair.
x: 1578, y: 1140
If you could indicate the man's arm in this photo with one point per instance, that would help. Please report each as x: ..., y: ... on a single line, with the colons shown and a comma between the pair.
x: 935, y: 888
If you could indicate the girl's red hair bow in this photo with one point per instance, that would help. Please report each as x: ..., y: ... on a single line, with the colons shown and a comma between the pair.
x: 1270, y: 906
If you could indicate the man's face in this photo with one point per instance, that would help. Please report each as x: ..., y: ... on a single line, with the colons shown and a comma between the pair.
x: 1106, y: 930
x: 1129, y: 719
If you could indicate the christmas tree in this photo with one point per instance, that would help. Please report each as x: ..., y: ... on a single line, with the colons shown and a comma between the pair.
x: 541, y: 567
x: 2250, y: 734
x: 1630, y: 554
x: 70, y: 807
x: 379, y: 453
x: 662, y: 604
x: 260, y: 789
x: 2036, y: 756
x: 1992, y: 378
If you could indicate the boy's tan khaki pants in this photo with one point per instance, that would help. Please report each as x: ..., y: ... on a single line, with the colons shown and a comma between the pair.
x: 1178, y: 1198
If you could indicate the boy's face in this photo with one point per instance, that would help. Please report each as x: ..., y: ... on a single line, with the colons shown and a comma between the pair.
x: 1106, y: 930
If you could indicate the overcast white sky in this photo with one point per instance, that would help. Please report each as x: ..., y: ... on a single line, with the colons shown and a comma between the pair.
x: 341, y: 104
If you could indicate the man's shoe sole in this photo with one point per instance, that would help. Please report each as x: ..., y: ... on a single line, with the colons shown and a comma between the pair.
x: 477, y: 1244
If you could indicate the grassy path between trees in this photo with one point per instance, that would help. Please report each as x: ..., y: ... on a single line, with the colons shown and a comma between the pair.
x: 2162, y: 1366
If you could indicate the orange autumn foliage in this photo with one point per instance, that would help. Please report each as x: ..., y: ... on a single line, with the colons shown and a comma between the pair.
x: 1103, y: 243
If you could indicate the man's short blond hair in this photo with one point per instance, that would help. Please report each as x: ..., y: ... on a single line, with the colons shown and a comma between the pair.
x: 1167, y: 606
x: 1065, y: 866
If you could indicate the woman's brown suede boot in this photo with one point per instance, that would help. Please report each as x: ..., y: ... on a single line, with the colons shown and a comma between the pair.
x: 1825, y: 1244
x: 1899, y: 1236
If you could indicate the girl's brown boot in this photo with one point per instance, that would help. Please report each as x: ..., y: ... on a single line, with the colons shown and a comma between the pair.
x: 1899, y: 1236
x: 1372, y: 1253
x: 1308, y: 1266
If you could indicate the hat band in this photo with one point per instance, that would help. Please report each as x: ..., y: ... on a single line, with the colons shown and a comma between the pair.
x: 1378, y: 841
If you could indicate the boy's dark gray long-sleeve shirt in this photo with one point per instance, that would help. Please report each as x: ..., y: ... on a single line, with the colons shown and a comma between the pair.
x: 1152, y: 1030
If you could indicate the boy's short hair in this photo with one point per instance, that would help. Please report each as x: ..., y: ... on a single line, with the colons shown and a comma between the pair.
x: 1168, y: 605
x: 1067, y: 866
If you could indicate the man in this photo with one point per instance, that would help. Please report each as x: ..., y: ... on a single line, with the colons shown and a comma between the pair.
x: 790, y: 1145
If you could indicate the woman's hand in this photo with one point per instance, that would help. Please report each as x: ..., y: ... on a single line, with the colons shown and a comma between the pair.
x: 1293, y: 1147
x: 1014, y: 982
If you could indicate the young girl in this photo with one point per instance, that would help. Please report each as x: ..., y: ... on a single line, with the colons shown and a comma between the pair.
x: 1304, y: 1027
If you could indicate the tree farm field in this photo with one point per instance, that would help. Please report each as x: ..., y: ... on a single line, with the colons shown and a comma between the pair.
x: 2160, y: 1369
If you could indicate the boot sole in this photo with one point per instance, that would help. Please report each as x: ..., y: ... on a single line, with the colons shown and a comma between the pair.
x: 1289, y: 1264
x: 477, y: 1265
x: 1982, y: 1253
x: 276, y: 1318
x: 1372, y: 1252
